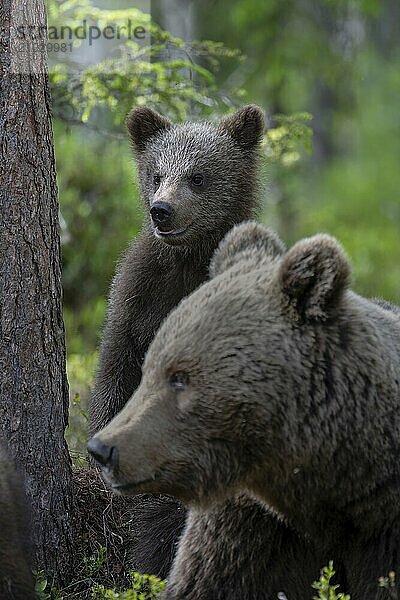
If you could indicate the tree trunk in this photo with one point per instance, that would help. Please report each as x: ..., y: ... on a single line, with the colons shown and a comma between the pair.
x: 33, y: 384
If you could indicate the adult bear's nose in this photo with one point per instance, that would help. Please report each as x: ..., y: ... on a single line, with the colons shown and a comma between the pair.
x: 107, y: 456
x: 161, y: 212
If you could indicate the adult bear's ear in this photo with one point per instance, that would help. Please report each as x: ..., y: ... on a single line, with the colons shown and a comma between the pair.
x: 245, y: 126
x: 313, y: 276
x: 143, y: 123
x: 249, y: 242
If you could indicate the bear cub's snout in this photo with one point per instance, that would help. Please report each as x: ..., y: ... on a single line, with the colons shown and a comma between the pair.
x: 161, y: 214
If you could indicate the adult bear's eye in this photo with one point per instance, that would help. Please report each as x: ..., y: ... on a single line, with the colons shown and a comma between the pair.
x: 156, y: 180
x: 197, y: 179
x: 179, y: 380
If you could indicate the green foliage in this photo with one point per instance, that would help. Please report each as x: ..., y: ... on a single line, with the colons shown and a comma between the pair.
x: 143, y: 587
x: 283, y: 143
x: 327, y: 591
x: 93, y: 564
x: 44, y: 587
x: 183, y: 80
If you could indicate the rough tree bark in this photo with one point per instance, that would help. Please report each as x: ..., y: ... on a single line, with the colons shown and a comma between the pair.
x: 33, y: 384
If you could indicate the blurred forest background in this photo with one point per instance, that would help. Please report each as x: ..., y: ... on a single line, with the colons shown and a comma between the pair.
x: 337, y: 61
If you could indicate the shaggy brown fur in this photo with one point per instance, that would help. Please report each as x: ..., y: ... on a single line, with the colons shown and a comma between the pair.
x: 273, y: 380
x: 16, y: 581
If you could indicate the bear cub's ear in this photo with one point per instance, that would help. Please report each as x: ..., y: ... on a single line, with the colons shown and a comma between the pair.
x: 245, y: 126
x: 248, y: 241
x: 143, y: 123
x: 313, y: 276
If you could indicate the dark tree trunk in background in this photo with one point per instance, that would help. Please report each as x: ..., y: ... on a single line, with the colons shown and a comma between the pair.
x: 33, y: 384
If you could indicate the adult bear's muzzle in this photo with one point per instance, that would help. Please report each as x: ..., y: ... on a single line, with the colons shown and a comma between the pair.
x: 106, y: 456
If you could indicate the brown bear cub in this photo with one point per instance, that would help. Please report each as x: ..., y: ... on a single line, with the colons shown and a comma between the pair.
x: 273, y: 381
x: 197, y: 180
x: 16, y: 581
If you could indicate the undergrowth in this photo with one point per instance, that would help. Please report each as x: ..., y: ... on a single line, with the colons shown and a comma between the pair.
x: 149, y: 587
x: 141, y: 587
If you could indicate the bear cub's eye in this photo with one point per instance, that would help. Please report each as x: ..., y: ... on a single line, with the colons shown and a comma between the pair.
x: 179, y: 380
x: 157, y: 180
x: 197, y: 179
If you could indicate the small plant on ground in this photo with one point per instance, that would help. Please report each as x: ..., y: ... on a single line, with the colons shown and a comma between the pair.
x: 44, y: 588
x: 327, y: 591
x: 143, y: 587
x: 95, y: 562
x: 389, y: 583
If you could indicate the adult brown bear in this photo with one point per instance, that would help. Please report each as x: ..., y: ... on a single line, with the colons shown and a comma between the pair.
x: 275, y: 382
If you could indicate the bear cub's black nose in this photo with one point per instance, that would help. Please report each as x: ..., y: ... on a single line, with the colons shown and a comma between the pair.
x: 107, y: 456
x: 161, y: 213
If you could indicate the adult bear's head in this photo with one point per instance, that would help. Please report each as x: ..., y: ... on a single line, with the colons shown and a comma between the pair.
x: 234, y: 382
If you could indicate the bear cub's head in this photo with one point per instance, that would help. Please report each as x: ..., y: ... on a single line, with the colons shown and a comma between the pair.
x: 237, y: 374
x: 197, y: 179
